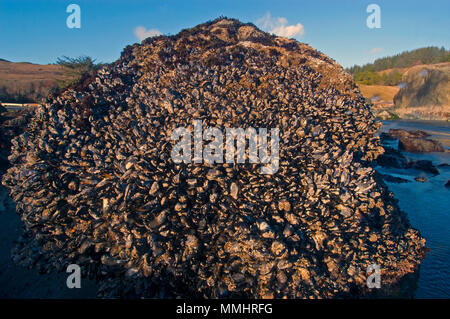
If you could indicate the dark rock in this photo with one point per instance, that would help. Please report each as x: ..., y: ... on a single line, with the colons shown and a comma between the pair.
x: 447, y: 184
x: 400, y: 133
x: 423, y: 165
x: 391, y: 158
x: 394, y: 179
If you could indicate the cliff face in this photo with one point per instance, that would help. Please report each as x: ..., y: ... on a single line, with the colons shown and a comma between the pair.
x: 425, y: 93
x: 96, y: 185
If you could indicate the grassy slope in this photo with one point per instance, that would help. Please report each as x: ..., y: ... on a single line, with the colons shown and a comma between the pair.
x: 30, y: 80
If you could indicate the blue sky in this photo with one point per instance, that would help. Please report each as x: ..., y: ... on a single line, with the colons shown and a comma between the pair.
x: 36, y: 31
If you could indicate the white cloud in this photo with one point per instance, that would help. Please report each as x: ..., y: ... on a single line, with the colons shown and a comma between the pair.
x: 280, y: 27
x: 289, y: 31
x: 376, y: 50
x: 141, y: 33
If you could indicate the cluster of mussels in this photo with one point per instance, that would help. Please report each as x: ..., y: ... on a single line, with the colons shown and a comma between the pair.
x: 95, y: 184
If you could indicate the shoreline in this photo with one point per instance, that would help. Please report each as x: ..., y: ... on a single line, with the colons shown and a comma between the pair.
x: 426, y: 204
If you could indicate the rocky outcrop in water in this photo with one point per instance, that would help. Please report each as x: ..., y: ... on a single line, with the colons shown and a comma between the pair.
x: 399, y: 133
x: 415, y: 141
x: 419, y: 145
x: 393, y: 158
x: 95, y: 184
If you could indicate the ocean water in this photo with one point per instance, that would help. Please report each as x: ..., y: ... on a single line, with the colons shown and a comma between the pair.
x: 428, y: 208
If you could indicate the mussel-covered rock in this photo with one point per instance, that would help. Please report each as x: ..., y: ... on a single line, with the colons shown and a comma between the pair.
x: 95, y: 183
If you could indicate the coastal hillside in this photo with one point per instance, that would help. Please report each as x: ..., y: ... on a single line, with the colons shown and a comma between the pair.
x: 373, y: 71
x: 24, y: 82
x: 410, y: 85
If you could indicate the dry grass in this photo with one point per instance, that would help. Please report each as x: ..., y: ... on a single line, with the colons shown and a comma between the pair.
x: 384, y: 92
x: 28, y: 81
x: 29, y: 71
